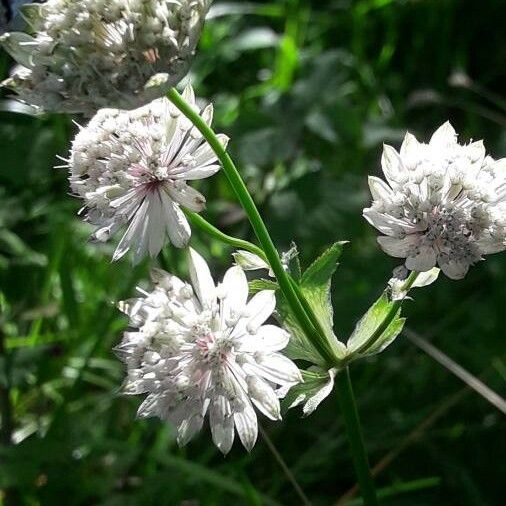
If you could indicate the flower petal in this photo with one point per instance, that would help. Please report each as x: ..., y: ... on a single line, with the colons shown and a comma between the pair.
x: 444, y: 137
x: 177, y: 226
x: 187, y: 197
x: 454, y: 269
x: 423, y: 260
x: 392, y: 166
x: 202, y: 280
x: 266, y: 338
x: 398, y: 248
x: 380, y: 190
x: 274, y: 367
x: 221, y: 422
x: 264, y: 397
x: 247, y: 426
x: 235, y: 288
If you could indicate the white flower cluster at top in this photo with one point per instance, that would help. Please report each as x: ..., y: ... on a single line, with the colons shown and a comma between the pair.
x: 444, y: 204
x: 131, y: 168
x: 206, y: 350
x: 88, y: 54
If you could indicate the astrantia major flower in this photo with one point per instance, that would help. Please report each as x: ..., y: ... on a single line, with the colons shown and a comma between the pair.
x: 88, y: 54
x: 206, y: 350
x: 443, y: 204
x: 132, y: 167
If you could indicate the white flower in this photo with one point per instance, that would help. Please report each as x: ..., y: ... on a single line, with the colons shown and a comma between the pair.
x: 131, y: 168
x: 88, y: 54
x: 444, y: 204
x: 206, y: 350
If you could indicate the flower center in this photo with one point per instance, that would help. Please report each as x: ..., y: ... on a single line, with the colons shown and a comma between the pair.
x: 215, y: 350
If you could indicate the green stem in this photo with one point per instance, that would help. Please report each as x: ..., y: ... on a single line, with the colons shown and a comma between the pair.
x: 203, y: 224
x: 257, y: 223
x: 390, y: 316
x: 355, y: 438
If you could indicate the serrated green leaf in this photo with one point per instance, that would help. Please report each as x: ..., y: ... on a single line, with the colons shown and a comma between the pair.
x: 371, y: 322
x: 322, y: 269
x: 315, y: 286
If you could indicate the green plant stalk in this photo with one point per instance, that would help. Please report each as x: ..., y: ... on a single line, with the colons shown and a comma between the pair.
x: 258, y: 225
x: 287, y: 285
x: 349, y: 411
x: 204, y: 225
x: 389, y: 317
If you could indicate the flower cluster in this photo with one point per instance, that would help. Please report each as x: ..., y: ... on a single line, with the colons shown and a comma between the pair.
x: 444, y: 204
x: 131, y: 168
x: 88, y: 54
x: 206, y: 350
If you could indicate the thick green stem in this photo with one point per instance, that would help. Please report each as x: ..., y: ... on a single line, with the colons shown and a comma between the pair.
x: 392, y: 313
x: 257, y: 223
x: 355, y: 438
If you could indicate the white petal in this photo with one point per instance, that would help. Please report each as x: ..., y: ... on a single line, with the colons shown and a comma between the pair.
x: 188, y: 428
x: 222, y: 424
x: 424, y: 260
x: 156, y: 224
x: 202, y: 280
x: 410, y: 151
x: 187, y: 197
x: 258, y: 309
x: 274, y: 367
x: 398, y: 248
x: 379, y: 189
x: 387, y: 224
x: 264, y: 398
x: 235, y: 288
x: 444, y: 137
x: 177, y: 226
x: 266, y: 338
x: 392, y: 166
x: 455, y: 270
x: 205, y: 154
x: 199, y: 172
x: 189, y: 94
x: 475, y: 152
x: 247, y: 426
x: 207, y: 114
x: 135, y: 234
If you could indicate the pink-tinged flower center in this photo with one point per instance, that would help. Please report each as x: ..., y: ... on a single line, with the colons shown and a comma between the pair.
x: 214, y: 350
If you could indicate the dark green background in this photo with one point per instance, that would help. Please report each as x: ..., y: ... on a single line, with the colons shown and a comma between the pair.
x: 307, y: 91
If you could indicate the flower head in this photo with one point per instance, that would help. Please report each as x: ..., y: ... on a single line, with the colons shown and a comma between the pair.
x: 132, y: 167
x: 443, y: 203
x: 88, y: 54
x: 206, y: 350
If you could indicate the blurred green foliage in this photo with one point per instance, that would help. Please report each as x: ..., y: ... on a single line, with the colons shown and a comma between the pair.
x: 308, y: 92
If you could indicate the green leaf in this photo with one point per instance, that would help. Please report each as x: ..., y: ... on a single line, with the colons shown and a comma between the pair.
x: 315, y: 285
x: 372, y: 322
x: 257, y: 285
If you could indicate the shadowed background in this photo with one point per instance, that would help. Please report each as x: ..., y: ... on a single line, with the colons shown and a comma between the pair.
x: 308, y: 92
